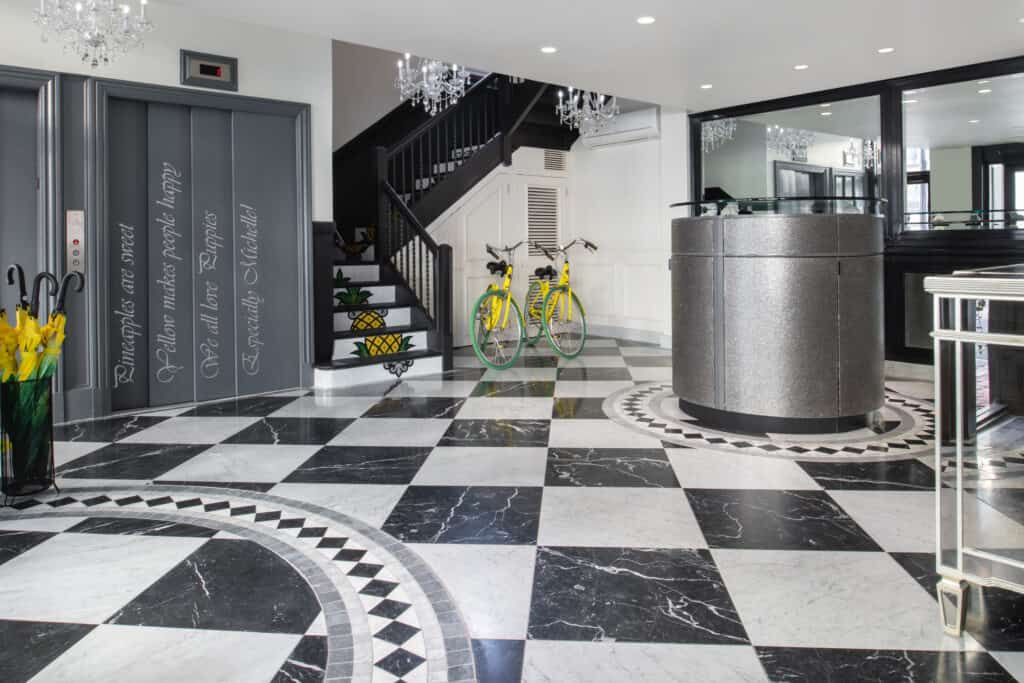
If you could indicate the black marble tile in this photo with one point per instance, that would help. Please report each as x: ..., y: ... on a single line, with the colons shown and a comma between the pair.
x: 14, y: 543
x: 130, y: 461
x: 633, y: 595
x: 578, y: 408
x: 361, y: 465
x: 306, y: 664
x: 436, y: 407
x: 641, y: 467
x: 475, y: 514
x: 396, y: 633
x: 110, y: 429
x: 400, y: 662
x: 776, y: 520
x: 649, y: 361
x: 818, y: 665
x: 995, y: 617
x: 920, y: 566
x: 892, y: 475
x: 229, y: 585
x: 256, y: 406
x: 527, y: 389
x: 537, y: 362
x: 390, y: 609
x: 497, y: 433
x: 498, y: 661
x: 126, y: 526
x: 27, y: 647
x: 595, y: 374
x: 1010, y: 502
x: 300, y: 431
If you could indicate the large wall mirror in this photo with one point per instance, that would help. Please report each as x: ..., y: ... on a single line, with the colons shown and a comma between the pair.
x: 964, y: 155
x: 828, y: 149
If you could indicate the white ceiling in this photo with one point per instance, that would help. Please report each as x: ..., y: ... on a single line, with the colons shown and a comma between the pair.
x: 941, y: 114
x: 746, y: 48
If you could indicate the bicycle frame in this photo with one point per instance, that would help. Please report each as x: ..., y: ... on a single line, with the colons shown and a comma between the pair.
x: 503, y: 308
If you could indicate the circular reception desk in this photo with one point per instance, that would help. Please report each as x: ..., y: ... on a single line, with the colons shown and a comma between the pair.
x: 777, y: 319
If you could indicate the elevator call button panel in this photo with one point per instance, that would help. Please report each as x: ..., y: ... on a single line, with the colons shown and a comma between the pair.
x: 75, y: 230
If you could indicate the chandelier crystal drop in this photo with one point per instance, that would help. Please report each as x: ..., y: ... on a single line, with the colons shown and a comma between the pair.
x: 587, y: 112
x: 715, y: 133
x: 431, y: 83
x: 97, y: 31
x: 789, y: 141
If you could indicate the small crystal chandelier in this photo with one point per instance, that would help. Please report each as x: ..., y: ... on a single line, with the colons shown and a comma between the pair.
x: 587, y: 112
x: 431, y: 83
x: 97, y: 31
x: 715, y: 133
x: 790, y: 141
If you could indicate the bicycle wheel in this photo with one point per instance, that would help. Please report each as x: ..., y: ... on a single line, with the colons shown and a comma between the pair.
x: 533, y: 315
x: 565, y: 326
x: 497, y: 338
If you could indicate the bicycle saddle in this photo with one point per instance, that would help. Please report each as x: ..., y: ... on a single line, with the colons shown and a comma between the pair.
x: 546, y: 272
x: 497, y: 268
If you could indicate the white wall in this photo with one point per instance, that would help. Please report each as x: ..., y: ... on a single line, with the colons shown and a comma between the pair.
x: 364, y: 88
x: 950, y: 184
x: 272, y: 64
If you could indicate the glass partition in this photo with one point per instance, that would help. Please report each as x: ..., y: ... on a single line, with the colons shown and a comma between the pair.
x: 964, y: 155
x: 830, y: 149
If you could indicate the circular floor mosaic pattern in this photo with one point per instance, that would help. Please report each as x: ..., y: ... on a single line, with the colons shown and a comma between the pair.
x: 381, y: 613
x: 907, y: 429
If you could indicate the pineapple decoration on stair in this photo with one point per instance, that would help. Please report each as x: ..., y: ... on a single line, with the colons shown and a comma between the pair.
x: 369, y: 320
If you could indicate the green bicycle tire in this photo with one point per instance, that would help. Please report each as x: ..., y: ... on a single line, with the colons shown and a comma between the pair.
x: 477, y: 345
x: 577, y: 308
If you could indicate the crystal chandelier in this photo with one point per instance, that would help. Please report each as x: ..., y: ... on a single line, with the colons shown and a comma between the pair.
x: 587, y: 112
x: 97, y: 31
x: 431, y: 83
x: 790, y: 141
x: 715, y: 133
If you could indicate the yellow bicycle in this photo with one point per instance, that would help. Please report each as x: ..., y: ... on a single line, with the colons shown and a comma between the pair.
x: 496, y: 323
x: 555, y: 308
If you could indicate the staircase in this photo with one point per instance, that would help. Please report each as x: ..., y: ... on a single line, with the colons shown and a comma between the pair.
x: 382, y: 286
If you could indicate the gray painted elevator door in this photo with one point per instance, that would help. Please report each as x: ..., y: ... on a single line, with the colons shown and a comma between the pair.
x: 20, y: 227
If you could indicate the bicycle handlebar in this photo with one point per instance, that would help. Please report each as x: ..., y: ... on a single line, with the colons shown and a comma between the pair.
x: 579, y: 240
x: 506, y: 250
x: 551, y: 257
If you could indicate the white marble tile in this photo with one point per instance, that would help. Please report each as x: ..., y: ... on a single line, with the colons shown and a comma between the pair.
x: 416, y: 387
x: 490, y: 584
x: 629, y: 351
x: 242, y: 462
x: 318, y: 627
x: 191, y: 430
x: 66, y: 451
x: 592, y: 362
x: 39, y: 524
x: 707, y: 469
x: 476, y: 466
x: 586, y: 389
x: 585, y: 662
x: 167, y: 412
x: 389, y: 431
x: 521, y: 375
x: 650, y: 374
x: 1013, y: 662
x: 913, y: 388
x: 506, y: 407
x: 841, y: 599
x: 597, y: 434
x: 904, y: 521
x: 290, y: 393
x: 86, y: 578
x: 603, y: 343
x: 155, y: 655
x: 370, y: 503
x: 618, y: 517
x: 68, y: 485
x: 327, y: 406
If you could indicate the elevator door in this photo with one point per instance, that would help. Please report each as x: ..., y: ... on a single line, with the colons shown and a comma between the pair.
x: 204, y: 239
x: 20, y: 204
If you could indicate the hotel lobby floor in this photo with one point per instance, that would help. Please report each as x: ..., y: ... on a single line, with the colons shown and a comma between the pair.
x: 204, y: 543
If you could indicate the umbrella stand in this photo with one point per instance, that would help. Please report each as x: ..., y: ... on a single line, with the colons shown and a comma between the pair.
x: 26, y: 418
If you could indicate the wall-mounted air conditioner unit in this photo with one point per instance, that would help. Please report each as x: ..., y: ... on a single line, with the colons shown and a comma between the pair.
x: 634, y: 126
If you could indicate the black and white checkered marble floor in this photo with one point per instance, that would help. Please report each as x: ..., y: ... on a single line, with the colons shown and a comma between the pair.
x: 576, y: 548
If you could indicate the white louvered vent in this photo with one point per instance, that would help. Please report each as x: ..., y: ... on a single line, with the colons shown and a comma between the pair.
x: 555, y: 160
x: 542, y: 217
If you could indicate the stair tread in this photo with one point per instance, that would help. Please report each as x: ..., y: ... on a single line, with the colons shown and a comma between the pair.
x: 356, y: 362
x: 353, y: 262
x: 364, y: 283
x: 374, y: 332
x: 344, y: 308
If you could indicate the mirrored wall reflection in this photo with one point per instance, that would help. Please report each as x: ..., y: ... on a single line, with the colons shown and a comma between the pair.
x: 964, y: 155
x: 829, y: 149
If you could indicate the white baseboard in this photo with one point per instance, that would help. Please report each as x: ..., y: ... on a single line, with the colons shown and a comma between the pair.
x: 646, y: 336
x: 916, y: 371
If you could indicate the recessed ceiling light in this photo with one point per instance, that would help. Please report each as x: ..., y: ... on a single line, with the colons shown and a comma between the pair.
x: 984, y: 91
x: 645, y: 20
x: 826, y: 105
x: 826, y: 113
x: 800, y: 67
x: 974, y: 121
x: 909, y: 101
x: 886, y: 50
x: 706, y: 86
x: 984, y: 82
x: 549, y: 49
x: 1021, y: 20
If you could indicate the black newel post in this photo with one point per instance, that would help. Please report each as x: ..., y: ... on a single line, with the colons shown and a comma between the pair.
x: 443, y: 287
x: 323, y: 291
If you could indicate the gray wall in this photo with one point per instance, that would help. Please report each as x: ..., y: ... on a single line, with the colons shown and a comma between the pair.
x: 364, y: 88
